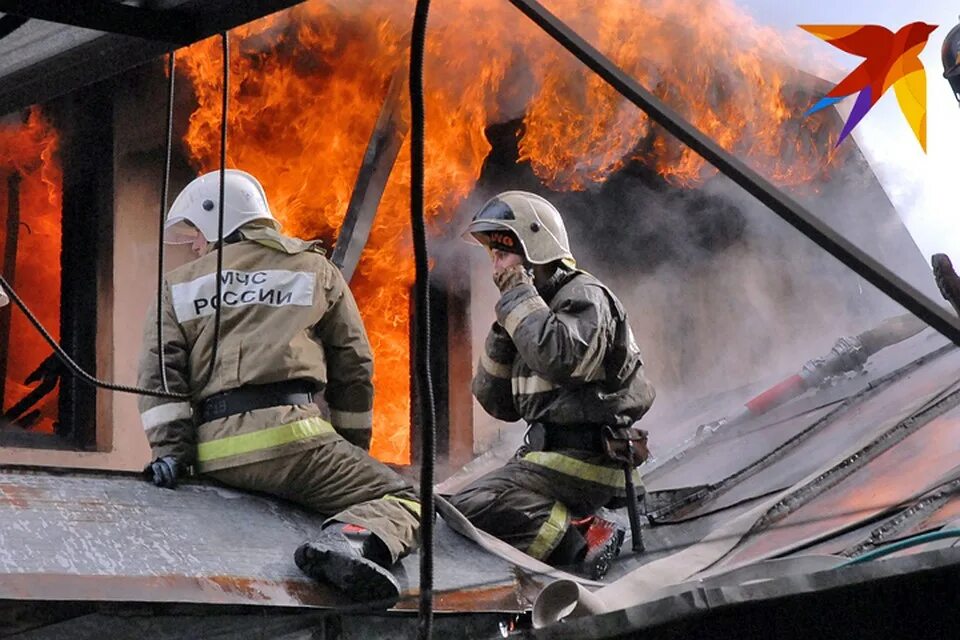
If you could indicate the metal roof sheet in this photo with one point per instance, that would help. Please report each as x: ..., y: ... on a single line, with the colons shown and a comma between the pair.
x: 113, y: 537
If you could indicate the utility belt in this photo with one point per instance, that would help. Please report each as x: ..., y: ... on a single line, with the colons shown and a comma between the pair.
x: 543, y: 436
x: 252, y: 397
x: 620, y: 444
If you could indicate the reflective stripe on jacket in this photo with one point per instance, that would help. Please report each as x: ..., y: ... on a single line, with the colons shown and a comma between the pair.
x: 287, y: 314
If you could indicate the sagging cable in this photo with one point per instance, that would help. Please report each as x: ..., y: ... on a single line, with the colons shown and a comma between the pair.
x: 164, y: 198
x: 62, y: 355
x: 224, y: 106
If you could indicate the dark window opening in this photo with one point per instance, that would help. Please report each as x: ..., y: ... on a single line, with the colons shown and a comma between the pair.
x: 56, y: 172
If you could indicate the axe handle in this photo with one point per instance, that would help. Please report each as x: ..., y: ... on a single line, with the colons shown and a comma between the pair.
x: 636, y: 535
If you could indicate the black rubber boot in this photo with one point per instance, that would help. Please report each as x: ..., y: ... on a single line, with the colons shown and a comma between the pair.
x: 588, y: 547
x: 338, y: 560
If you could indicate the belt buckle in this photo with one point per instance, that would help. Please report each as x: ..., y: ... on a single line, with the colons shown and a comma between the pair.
x: 535, y: 437
x: 215, y: 406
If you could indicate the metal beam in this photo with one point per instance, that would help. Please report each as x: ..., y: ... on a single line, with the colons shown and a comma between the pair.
x: 180, y: 25
x: 214, y: 17
x: 167, y: 25
x: 85, y: 64
x: 108, y: 54
x: 378, y: 160
x: 755, y: 184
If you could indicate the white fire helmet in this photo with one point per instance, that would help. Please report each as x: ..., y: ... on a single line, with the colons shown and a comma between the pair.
x: 533, y: 220
x: 197, y: 205
x: 4, y: 300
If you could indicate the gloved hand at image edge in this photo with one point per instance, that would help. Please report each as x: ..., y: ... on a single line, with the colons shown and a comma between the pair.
x: 164, y: 472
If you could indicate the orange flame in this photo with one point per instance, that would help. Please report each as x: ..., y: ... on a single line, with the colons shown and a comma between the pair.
x: 718, y: 69
x: 309, y: 84
x: 29, y: 149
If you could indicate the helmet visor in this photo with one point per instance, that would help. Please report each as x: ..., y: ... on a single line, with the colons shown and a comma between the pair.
x: 495, y: 210
x: 179, y: 231
x: 492, y: 217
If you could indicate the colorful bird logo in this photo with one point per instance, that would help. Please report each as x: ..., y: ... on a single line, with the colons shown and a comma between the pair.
x: 891, y: 59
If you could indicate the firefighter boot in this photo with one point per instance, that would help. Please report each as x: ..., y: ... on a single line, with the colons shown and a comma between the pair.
x: 604, y: 540
x: 354, y: 561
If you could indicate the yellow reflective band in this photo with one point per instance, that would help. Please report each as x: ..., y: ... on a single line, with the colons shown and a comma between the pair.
x: 262, y: 439
x: 609, y: 476
x: 550, y: 532
x: 413, y: 505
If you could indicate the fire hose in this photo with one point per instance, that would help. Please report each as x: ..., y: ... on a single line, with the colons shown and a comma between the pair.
x: 848, y: 355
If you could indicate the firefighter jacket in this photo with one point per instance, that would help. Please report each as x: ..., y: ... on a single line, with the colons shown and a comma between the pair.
x: 287, y: 314
x: 565, y: 356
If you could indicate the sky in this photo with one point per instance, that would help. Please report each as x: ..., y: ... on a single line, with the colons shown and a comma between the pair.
x: 925, y: 188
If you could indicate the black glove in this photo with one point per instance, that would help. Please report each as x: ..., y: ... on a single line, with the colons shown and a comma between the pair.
x: 164, y: 472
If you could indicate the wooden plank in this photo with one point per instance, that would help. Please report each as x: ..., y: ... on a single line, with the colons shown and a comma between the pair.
x: 378, y: 161
x: 12, y: 238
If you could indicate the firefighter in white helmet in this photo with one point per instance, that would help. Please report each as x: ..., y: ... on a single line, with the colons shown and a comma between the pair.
x: 291, y: 334
x: 562, y: 357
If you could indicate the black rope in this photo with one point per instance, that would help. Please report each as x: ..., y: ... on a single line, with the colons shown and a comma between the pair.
x: 422, y: 311
x: 224, y: 105
x: 65, y: 358
x: 225, y: 41
x: 164, y: 197
x: 72, y: 366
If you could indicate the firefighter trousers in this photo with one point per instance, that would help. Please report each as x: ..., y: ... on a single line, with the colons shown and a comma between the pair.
x: 530, y: 505
x: 342, y: 481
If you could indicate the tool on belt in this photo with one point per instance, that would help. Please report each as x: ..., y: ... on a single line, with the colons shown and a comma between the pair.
x: 628, y: 446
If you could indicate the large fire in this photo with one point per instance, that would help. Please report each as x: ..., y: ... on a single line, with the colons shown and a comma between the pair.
x: 28, y: 149
x: 309, y: 84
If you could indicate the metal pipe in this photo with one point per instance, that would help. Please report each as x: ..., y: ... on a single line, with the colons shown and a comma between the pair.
x: 777, y: 201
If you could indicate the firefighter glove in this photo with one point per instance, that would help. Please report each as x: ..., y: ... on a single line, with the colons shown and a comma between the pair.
x: 511, y: 277
x: 164, y: 472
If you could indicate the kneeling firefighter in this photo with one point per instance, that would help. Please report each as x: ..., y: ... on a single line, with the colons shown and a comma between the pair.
x: 290, y: 332
x: 561, y: 356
